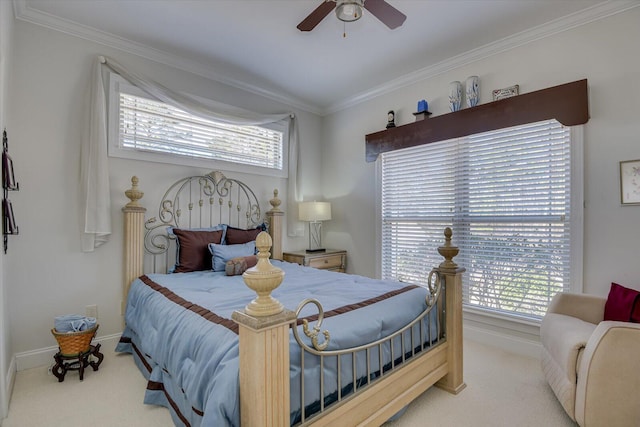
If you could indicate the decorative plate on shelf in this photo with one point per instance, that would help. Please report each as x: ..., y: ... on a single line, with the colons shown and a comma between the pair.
x: 507, y: 92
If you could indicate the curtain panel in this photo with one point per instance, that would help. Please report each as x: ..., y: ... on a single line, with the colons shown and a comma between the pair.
x: 94, y: 171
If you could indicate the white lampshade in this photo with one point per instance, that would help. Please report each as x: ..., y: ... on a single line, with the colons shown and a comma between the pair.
x: 314, y: 211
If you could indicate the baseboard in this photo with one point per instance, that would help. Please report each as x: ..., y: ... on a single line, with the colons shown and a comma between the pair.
x: 44, y: 356
x: 503, y: 340
x: 474, y: 331
x: 10, y: 381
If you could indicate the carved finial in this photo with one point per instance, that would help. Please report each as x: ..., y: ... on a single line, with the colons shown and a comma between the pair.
x: 448, y: 251
x: 275, y: 202
x: 263, y: 279
x: 134, y: 194
x: 263, y: 243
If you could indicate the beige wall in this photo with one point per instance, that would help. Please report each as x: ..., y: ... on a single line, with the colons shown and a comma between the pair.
x: 6, y: 58
x: 48, y: 273
x: 604, y: 52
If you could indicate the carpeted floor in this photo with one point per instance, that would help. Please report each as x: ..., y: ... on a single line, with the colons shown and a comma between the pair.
x: 503, y: 389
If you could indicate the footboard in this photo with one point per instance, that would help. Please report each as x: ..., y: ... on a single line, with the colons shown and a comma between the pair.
x: 398, y: 368
x: 366, y: 364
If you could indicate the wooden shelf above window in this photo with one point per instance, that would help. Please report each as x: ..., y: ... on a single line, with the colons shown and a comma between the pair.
x: 567, y: 103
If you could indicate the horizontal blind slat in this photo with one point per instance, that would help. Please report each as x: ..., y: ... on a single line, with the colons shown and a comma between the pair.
x: 150, y: 125
x: 506, y: 194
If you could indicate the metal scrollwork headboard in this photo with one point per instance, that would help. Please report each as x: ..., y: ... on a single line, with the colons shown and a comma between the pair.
x: 198, y: 202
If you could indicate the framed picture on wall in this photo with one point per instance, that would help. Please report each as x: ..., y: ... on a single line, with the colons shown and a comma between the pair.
x: 630, y: 182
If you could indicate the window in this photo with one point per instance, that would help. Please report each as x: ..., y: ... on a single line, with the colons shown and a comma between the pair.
x: 147, y: 129
x: 510, y: 198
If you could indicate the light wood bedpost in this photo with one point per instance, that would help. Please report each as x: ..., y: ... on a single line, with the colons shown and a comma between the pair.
x: 133, y: 239
x: 264, y: 346
x: 274, y: 216
x: 452, y: 274
x: 264, y: 369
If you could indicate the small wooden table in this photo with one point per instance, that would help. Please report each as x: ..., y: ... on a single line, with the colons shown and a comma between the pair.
x: 329, y: 259
x: 76, y: 362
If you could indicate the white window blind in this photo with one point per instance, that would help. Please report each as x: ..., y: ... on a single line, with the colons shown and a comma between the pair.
x: 507, y: 196
x: 150, y: 125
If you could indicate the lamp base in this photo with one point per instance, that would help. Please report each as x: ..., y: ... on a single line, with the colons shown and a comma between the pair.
x: 316, y: 250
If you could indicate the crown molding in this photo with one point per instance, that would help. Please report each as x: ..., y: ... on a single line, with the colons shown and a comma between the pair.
x: 594, y: 13
x: 27, y: 14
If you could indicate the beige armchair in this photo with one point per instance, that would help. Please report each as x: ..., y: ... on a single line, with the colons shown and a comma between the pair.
x: 593, y: 366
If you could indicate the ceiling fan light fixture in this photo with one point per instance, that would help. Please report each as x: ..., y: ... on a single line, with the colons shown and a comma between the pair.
x: 349, y: 10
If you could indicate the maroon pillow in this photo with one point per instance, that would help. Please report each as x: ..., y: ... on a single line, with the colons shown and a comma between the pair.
x: 193, y: 249
x: 238, y: 236
x: 635, y: 313
x: 622, y: 304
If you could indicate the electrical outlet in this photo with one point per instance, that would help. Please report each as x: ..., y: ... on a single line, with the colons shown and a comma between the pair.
x: 91, y: 311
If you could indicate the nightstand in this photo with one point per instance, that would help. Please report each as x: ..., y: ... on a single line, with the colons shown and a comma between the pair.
x: 331, y: 259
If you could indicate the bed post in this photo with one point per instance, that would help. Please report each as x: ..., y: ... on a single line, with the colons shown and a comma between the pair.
x: 274, y: 217
x: 264, y: 346
x: 452, y: 275
x: 133, y: 239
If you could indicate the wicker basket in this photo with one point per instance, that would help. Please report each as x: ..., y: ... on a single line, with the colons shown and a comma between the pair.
x: 74, y: 343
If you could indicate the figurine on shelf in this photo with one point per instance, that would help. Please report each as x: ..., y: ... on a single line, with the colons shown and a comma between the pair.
x: 422, y: 112
x: 391, y: 119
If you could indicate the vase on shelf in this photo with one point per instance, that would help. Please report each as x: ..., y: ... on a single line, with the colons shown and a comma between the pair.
x: 473, y: 91
x: 455, y: 96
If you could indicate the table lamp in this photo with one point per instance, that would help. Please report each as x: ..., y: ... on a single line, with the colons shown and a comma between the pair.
x: 314, y: 212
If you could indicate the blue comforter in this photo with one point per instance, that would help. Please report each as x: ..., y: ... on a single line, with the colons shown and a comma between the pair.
x: 178, y: 327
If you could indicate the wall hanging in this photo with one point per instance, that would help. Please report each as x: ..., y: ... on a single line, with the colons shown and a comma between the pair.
x: 8, y: 184
x: 630, y: 182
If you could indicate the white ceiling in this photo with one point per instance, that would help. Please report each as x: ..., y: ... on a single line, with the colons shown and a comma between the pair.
x: 255, y: 44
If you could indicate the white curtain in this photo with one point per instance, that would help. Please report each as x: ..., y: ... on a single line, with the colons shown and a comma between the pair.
x: 190, y: 104
x: 94, y: 170
x: 294, y: 227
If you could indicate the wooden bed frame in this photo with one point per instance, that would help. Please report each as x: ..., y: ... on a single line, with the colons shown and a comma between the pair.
x: 264, y: 338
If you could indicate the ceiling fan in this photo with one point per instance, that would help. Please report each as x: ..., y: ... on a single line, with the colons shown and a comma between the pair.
x: 351, y: 10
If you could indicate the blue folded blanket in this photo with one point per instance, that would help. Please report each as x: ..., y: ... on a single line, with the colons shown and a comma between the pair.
x: 73, y: 323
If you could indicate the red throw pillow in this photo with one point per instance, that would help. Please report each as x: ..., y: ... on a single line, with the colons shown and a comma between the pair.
x: 635, y: 313
x: 623, y: 304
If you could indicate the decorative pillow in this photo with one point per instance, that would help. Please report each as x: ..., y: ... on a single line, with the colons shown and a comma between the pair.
x: 239, y: 265
x: 635, y: 313
x: 236, y: 236
x: 223, y: 253
x: 192, y: 253
x: 623, y: 304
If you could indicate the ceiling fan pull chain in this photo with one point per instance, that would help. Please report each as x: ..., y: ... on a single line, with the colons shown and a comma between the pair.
x: 344, y: 29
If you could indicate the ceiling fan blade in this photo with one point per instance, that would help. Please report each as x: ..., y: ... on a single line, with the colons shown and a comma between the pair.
x: 314, y: 18
x: 389, y: 15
